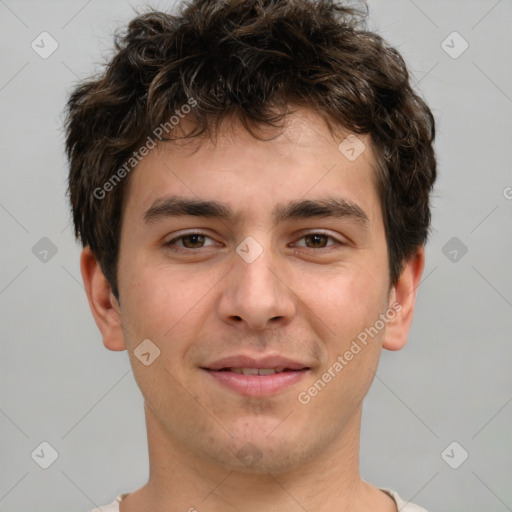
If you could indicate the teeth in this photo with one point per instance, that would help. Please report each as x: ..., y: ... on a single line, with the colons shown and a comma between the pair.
x: 250, y: 371
x: 257, y: 371
x: 266, y: 371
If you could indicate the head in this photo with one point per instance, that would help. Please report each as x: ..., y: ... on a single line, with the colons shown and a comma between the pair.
x: 300, y: 162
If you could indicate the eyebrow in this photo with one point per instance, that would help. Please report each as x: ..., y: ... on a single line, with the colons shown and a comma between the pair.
x: 333, y: 207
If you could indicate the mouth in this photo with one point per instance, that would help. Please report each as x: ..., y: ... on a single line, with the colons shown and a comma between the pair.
x: 257, y: 378
x: 257, y: 371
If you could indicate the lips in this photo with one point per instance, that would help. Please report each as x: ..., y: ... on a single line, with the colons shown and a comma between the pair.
x: 257, y: 377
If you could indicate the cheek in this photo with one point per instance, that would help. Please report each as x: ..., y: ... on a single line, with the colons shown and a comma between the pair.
x: 165, y: 306
x: 347, y: 306
x: 345, y: 300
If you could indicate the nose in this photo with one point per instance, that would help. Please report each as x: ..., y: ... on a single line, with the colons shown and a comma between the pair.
x: 256, y: 295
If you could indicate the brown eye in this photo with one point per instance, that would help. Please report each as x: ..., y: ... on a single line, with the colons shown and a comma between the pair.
x: 193, y: 241
x: 317, y: 240
x: 190, y: 241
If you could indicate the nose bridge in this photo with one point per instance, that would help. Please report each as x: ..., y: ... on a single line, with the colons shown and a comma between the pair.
x: 257, y: 279
x: 255, y: 293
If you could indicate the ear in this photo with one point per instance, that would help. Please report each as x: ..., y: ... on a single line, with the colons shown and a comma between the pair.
x: 402, y: 300
x: 104, y: 306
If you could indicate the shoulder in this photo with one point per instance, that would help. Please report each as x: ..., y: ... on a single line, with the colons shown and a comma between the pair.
x: 111, y: 507
x: 402, y: 505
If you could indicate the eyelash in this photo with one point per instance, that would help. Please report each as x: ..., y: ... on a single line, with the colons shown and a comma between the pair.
x: 172, y: 245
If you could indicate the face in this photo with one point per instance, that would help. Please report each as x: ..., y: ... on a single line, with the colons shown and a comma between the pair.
x: 283, y: 274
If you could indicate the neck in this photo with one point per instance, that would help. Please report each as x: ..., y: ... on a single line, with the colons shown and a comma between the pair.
x: 181, y: 480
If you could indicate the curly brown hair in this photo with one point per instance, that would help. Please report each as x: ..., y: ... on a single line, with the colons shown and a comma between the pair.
x: 256, y: 60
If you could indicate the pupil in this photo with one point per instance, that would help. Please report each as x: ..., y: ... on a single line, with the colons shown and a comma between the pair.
x: 196, y: 240
x: 318, y: 239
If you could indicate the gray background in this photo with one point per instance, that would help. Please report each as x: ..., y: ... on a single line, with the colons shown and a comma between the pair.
x: 451, y: 383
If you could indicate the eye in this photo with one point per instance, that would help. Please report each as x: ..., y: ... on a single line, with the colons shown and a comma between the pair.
x: 190, y: 241
x: 194, y: 240
x: 317, y: 241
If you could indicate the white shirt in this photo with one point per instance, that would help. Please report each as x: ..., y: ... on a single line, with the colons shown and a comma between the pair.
x: 401, y: 505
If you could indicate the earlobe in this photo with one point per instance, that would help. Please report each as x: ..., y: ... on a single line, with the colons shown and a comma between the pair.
x: 402, y: 300
x: 104, y: 306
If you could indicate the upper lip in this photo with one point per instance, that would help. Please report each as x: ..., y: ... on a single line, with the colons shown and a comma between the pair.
x: 243, y: 361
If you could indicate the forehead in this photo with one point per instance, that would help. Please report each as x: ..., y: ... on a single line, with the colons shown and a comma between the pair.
x: 303, y: 160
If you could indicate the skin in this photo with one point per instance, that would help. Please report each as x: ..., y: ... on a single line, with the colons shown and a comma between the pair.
x: 305, y: 298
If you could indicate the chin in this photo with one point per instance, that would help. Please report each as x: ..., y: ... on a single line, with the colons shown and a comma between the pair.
x: 260, y: 454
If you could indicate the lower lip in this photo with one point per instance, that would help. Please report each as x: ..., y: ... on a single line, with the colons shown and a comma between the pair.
x: 257, y: 385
